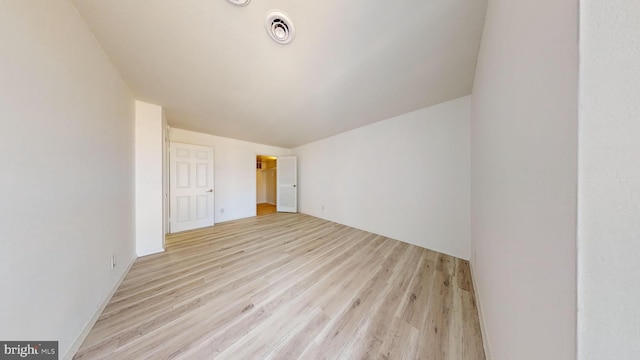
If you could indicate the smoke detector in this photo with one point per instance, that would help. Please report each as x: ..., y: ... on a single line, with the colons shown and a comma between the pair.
x: 279, y: 27
x: 240, y: 2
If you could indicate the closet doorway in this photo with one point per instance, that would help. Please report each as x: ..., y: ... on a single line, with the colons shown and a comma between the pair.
x: 266, y: 184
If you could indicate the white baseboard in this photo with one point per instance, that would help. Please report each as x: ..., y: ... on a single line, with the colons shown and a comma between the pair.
x: 483, y: 327
x: 87, y: 328
x: 151, y: 252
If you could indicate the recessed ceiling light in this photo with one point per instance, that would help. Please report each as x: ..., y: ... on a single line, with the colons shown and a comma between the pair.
x: 240, y: 2
x: 279, y: 27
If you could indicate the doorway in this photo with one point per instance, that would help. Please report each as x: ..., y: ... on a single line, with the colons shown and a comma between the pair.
x: 266, y: 184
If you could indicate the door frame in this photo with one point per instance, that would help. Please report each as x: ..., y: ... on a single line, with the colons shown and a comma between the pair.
x: 255, y: 185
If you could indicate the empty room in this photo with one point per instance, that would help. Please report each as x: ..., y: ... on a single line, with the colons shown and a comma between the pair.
x: 277, y: 179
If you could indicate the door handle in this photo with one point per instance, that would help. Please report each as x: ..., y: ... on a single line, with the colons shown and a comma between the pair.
x: 210, y: 190
x: 294, y: 185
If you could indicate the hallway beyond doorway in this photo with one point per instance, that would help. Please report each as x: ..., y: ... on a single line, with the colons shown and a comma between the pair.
x: 264, y: 209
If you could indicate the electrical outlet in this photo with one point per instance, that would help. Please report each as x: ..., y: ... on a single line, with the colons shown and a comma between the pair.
x: 322, y: 207
x: 221, y: 210
x: 113, y: 261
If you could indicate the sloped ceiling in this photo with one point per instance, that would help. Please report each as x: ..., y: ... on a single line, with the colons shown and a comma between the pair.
x: 214, y: 69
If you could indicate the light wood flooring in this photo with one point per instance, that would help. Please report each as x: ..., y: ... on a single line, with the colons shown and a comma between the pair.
x: 289, y: 286
x: 265, y: 209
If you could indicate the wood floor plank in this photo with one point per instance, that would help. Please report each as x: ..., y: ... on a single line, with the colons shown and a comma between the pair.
x: 265, y: 209
x: 289, y: 286
x: 314, y: 295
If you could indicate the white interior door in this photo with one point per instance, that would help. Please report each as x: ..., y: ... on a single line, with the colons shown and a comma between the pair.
x: 191, y: 187
x: 287, y: 179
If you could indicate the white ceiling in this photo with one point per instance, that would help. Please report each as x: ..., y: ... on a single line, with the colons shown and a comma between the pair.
x: 214, y: 69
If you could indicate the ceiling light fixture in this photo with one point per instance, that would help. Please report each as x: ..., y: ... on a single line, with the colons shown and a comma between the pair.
x: 240, y: 2
x: 279, y: 27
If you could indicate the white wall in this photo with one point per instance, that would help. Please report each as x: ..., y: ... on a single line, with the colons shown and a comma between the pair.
x: 523, y: 187
x: 67, y: 183
x: 235, y: 171
x: 609, y: 197
x: 149, y: 179
x: 406, y: 178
